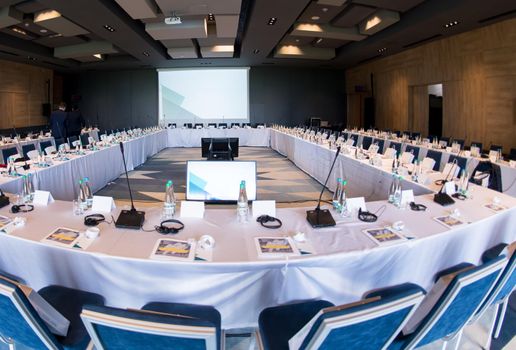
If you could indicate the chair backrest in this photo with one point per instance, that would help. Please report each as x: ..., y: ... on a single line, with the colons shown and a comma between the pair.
x: 390, y: 153
x: 435, y: 155
x: 414, y: 150
x: 188, y: 125
x: 71, y: 140
x: 223, y: 125
x: 380, y: 144
x: 199, y: 125
x: 460, y: 142
x: 44, y: 144
x: 27, y: 148
x: 20, y: 321
x: 49, y: 150
x: 459, y: 301
x: 495, y: 148
x: 461, y: 161
x: 33, y: 154
x: 235, y: 124
x: 126, y: 329
x: 7, y: 152
x: 366, y: 142
x: 512, y: 154
x: 352, y: 326
x: 476, y: 144
x: 396, y: 146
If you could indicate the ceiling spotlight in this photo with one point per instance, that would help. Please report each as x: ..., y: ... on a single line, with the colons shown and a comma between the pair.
x: 26, y: 24
x: 297, y: 40
x: 382, y: 50
x: 316, y: 18
x: 146, y: 53
x: 98, y: 56
x: 272, y: 21
x: 318, y: 41
x: 451, y: 24
x: 43, y: 30
x: 19, y: 31
x: 30, y: 58
x: 109, y: 28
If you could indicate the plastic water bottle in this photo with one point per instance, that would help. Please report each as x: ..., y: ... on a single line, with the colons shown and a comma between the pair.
x: 242, y: 204
x: 336, y: 194
x: 397, y: 192
x: 392, y: 189
x: 87, y: 192
x: 25, y: 190
x: 81, y: 198
x: 30, y: 186
x: 342, y: 207
x: 169, y: 206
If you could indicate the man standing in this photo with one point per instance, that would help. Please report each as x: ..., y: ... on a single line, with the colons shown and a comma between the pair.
x: 58, y: 122
x: 74, y: 122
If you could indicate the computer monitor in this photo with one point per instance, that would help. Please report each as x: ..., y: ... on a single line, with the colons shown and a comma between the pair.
x: 219, y: 182
x: 206, y: 141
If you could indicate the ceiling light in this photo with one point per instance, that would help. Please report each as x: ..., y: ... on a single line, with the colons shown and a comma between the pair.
x: 19, y: 31
x: 255, y: 51
x: 382, y: 50
x: 109, y: 28
x: 46, y: 15
x: 297, y: 40
x: 324, y: 9
x: 26, y: 24
x: 55, y: 35
x: 316, y: 18
x: 43, y: 30
x: 211, y: 17
x: 318, y: 41
x: 145, y: 53
x: 98, y: 55
x: 374, y: 21
x: 272, y: 21
x: 451, y: 24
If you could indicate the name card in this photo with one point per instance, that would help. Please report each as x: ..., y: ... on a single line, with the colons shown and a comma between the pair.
x: 512, y: 164
x: 42, y: 198
x: 192, y: 209
x: 407, y: 196
x: 356, y: 203
x: 103, y: 204
x: 449, y: 188
x: 423, y: 179
x: 264, y: 208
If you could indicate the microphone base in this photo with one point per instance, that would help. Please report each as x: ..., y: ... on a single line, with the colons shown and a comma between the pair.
x: 320, y: 218
x: 130, y: 219
x: 443, y: 199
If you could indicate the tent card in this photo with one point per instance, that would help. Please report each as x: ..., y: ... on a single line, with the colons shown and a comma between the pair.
x: 173, y: 249
x: 356, y: 203
x: 449, y: 221
x: 103, y: 204
x: 449, y: 188
x: 384, y: 236
x: 495, y: 207
x: 264, y: 208
x: 407, y: 196
x: 42, y: 197
x: 191, y: 209
x: 63, y: 237
x: 275, y: 247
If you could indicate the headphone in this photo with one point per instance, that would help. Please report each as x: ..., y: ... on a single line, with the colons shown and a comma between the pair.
x: 165, y: 229
x: 22, y: 208
x: 417, y: 207
x: 263, y: 219
x: 94, y: 219
x: 366, y: 216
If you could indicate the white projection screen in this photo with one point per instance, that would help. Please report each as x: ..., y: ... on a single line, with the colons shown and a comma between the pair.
x: 204, y: 95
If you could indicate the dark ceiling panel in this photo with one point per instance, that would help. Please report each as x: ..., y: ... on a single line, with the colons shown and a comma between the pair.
x: 18, y: 33
x: 59, y: 41
x: 397, y: 5
x: 4, y: 3
x: 330, y: 43
x: 316, y: 13
x: 30, y: 6
x: 296, y: 40
x: 353, y: 15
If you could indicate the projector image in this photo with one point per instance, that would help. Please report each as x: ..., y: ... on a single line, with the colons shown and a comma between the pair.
x: 173, y: 20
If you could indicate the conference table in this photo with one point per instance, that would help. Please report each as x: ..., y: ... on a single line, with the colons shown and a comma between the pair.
x: 344, y: 263
x: 183, y: 137
x: 22, y: 143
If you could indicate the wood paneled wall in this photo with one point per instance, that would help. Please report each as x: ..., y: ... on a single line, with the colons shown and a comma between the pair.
x: 478, y: 73
x: 23, y: 90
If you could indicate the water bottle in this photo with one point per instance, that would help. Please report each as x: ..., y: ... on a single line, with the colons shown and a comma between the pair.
x: 169, y: 206
x: 30, y: 187
x: 336, y: 194
x: 342, y: 206
x: 397, y: 192
x: 25, y: 190
x: 81, y: 198
x: 87, y: 192
x: 416, y: 171
x: 242, y: 205
x: 392, y: 189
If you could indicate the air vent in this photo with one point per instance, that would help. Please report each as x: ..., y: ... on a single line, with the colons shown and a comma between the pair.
x: 369, y: 59
x: 8, y: 53
x: 492, y: 18
x: 422, y: 41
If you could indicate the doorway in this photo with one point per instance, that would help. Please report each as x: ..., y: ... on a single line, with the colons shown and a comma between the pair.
x: 435, y: 110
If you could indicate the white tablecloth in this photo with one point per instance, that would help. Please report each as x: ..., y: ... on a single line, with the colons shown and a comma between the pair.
x: 192, y: 137
x: 20, y: 144
x: 239, y: 283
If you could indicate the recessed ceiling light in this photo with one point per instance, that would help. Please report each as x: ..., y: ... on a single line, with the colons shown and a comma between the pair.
x: 318, y: 41
x: 98, y: 55
x: 382, y: 50
x: 316, y: 18
x: 31, y: 58
x: 26, y: 24
x: 109, y: 28
x: 19, y: 31
x: 451, y: 24
x: 324, y: 9
x: 43, y: 30
x: 272, y: 21
x: 297, y: 40
x: 211, y: 17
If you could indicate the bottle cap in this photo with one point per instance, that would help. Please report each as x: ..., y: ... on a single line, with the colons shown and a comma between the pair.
x: 86, y: 179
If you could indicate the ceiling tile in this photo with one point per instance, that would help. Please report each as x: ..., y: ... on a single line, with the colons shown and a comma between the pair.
x: 227, y: 25
x: 59, y: 41
x: 353, y: 15
x: 182, y: 52
x: 305, y: 52
x: 139, y: 9
x: 54, y: 21
x: 326, y: 31
x: 9, y: 16
x: 199, y: 7
x: 316, y: 13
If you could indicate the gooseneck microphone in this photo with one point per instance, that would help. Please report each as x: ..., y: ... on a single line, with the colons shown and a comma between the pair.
x: 443, y: 198
x: 131, y: 219
x: 322, y: 218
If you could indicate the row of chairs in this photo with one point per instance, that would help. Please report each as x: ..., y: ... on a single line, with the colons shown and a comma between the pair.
x: 376, y: 322
x: 215, y: 125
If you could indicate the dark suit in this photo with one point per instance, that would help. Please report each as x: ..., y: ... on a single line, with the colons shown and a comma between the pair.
x: 58, y: 124
x: 74, y: 123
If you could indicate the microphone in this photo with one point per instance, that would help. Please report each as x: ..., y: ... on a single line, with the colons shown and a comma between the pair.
x: 443, y: 181
x: 322, y: 218
x: 443, y: 198
x: 131, y: 219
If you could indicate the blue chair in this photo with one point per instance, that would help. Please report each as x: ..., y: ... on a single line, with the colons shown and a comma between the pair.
x: 59, y: 142
x: 414, y: 150
x: 223, y: 125
x: 156, y: 326
x: 22, y: 326
x: 499, y: 295
x: 200, y: 125
x: 7, y: 152
x: 512, y: 154
x: 461, y: 161
x: 368, y: 324
x: 27, y: 148
x: 435, y: 155
x: 44, y: 144
x: 246, y: 124
x: 345, y: 135
x: 476, y: 144
x: 353, y: 137
x: 380, y: 143
x: 460, y: 142
x: 396, y: 146
x: 72, y: 139
x: 459, y: 301
x: 445, y: 139
x: 415, y: 135
x: 397, y: 132
x: 187, y: 125
x: 235, y: 124
x: 496, y: 148
x: 366, y: 142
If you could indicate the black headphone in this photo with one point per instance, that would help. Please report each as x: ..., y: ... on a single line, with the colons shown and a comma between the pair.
x: 165, y: 229
x: 263, y: 219
x: 417, y: 207
x: 94, y: 219
x: 366, y: 216
x: 22, y: 208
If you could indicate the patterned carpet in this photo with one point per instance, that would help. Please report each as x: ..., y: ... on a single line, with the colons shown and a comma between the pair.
x: 277, y: 177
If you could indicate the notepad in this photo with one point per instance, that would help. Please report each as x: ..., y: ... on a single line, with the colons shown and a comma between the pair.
x: 449, y: 221
x: 268, y: 247
x: 384, y: 236
x: 63, y: 237
x: 174, y: 249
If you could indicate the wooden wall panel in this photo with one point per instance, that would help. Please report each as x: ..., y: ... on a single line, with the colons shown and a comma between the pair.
x: 23, y: 90
x: 478, y: 73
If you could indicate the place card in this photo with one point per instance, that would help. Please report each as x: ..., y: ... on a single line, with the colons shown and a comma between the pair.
x: 353, y: 204
x: 42, y: 198
x: 495, y: 207
x: 264, y: 208
x: 192, y: 209
x: 449, y: 188
x: 407, y: 196
x: 103, y: 204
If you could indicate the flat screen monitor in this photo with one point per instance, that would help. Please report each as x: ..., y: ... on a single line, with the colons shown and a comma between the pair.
x: 206, y: 141
x: 219, y: 181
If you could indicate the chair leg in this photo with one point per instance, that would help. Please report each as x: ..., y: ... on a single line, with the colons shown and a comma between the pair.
x: 445, y: 344
x: 500, y: 315
x: 259, y: 340
x: 457, y: 339
x: 8, y: 341
x: 492, y: 324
